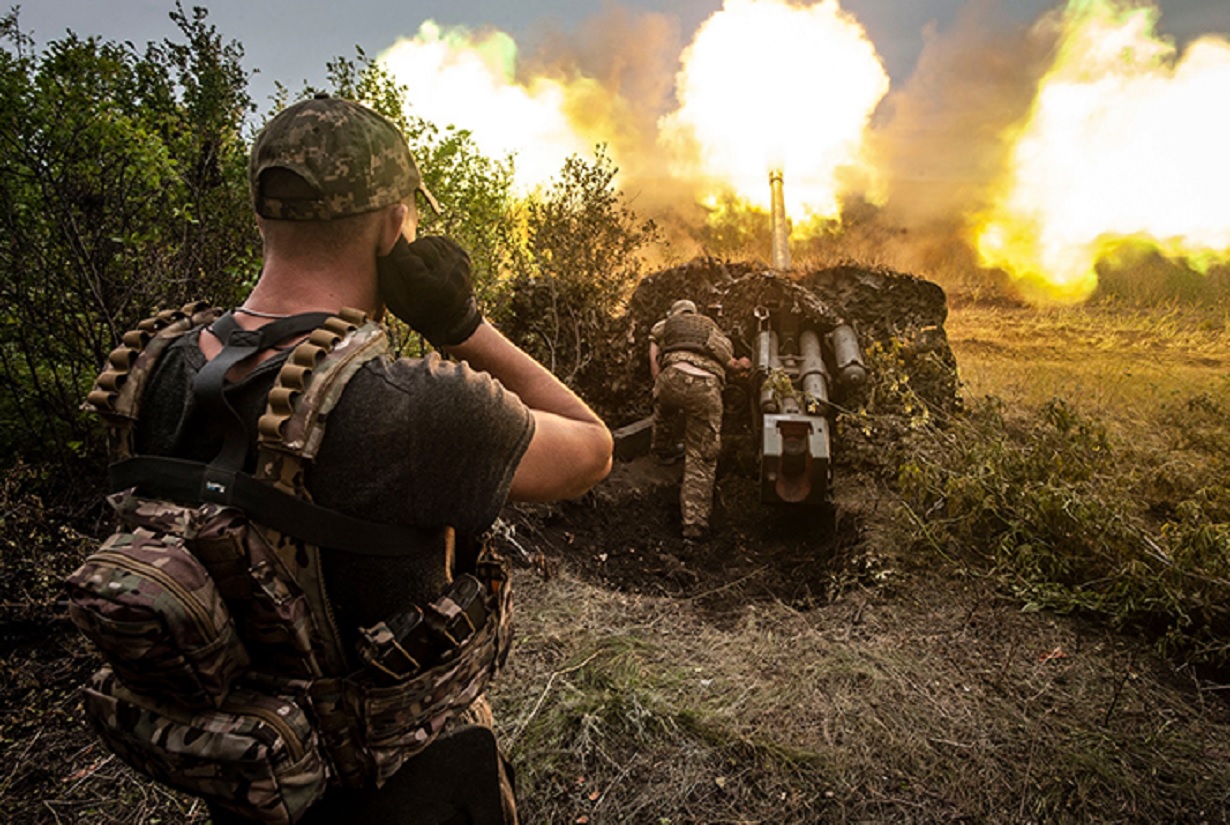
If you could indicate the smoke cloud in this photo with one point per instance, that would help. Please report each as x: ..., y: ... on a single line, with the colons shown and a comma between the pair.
x: 933, y: 160
x: 936, y: 142
x: 621, y: 67
x: 939, y: 142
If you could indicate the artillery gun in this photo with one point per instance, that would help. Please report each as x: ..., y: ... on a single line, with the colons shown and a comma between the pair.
x: 808, y: 335
x: 796, y: 367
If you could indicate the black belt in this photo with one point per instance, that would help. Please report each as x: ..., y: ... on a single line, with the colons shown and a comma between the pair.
x: 195, y: 482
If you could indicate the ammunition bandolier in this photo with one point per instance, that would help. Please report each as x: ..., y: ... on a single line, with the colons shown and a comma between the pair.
x: 686, y: 336
x: 225, y: 675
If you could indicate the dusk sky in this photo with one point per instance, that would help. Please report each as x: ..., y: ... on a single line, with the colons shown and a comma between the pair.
x: 290, y: 40
x: 1037, y: 134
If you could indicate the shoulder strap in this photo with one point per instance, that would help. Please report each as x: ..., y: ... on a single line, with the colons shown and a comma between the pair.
x: 239, y: 344
x: 308, y: 387
x: 306, y: 390
x: 192, y: 481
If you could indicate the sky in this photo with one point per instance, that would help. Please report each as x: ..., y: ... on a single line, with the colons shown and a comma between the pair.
x: 290, y: 40
x: 1040, y: 136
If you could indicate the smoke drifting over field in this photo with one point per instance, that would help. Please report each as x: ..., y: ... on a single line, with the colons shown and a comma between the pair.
x: 1033, y: 150
x: 939, y: 139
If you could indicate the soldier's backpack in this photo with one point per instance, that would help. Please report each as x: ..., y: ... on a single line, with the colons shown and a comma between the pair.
x: 225, y: 675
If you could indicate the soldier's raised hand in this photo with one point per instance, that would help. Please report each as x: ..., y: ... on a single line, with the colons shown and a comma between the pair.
x: 428, y: 285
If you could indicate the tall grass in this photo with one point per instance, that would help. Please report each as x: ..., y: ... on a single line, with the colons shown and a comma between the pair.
x: 1112, y: 504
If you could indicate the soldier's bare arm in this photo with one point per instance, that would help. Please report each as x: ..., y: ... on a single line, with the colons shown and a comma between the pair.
x: 571, y: 448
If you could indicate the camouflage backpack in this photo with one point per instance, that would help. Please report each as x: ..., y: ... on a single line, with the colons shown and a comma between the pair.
x: 224, y: 672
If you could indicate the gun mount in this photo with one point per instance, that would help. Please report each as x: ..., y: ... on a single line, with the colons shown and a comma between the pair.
x: 795, y: 364
x: 796, y: 367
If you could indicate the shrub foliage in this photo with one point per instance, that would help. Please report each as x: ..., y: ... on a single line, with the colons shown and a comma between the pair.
x: 579, y: 265
x: 1074, y: 522
x: 121, y: 188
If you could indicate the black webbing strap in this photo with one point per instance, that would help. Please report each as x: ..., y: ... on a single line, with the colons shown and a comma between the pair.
x: 222, y: 480
x: 194, y: 482
x: 238, y: 344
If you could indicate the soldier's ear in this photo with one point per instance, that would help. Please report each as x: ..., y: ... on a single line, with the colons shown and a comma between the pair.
x: 393, y: 220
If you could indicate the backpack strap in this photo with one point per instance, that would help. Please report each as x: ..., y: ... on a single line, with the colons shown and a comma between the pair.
x: 192, y: 481
x: 117, y: 398
x: 307, y: 389
x: 290, y: 432
x: 239, y: 344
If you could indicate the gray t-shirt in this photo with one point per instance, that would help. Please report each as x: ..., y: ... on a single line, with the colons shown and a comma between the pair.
x: 417, y: 442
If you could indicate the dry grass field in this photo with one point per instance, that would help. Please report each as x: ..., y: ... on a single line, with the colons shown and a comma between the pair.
x: 1122, y: 365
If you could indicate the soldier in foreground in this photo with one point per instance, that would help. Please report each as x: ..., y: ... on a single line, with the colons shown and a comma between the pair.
x: 361, y: 613
x: 689, y: 357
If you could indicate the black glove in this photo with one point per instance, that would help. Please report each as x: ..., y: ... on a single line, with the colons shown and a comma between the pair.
x: 427, y: 284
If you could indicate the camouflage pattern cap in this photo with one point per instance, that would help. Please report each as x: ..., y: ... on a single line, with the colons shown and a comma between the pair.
x: 683, y: 305
x: 351, y: 159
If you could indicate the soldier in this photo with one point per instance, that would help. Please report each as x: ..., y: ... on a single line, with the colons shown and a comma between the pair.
x: 688, y: 360
x: 431, y: 446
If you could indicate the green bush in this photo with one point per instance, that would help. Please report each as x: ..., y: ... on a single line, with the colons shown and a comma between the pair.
x: 122, y: 191
x: 581, y: 259
x: 1060, y: 514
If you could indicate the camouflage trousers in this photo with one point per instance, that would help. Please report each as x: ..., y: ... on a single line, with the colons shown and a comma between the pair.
x: 699, y: 400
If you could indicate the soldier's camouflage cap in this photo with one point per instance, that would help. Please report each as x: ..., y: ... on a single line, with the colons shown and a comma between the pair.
x: 352, y: 159
x: 683, y: 305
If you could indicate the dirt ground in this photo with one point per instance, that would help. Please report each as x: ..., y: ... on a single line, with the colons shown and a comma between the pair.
x: 626, y: 536
x: 915, y: 692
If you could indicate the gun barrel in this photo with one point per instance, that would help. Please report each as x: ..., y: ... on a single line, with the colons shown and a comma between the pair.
x: 781, y: 228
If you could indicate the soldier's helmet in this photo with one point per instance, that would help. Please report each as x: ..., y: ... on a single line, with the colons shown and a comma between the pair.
x: 327, y: 158
x: 682, y: 306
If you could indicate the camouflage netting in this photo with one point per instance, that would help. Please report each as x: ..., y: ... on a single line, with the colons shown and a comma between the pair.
x: 899, y: 319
